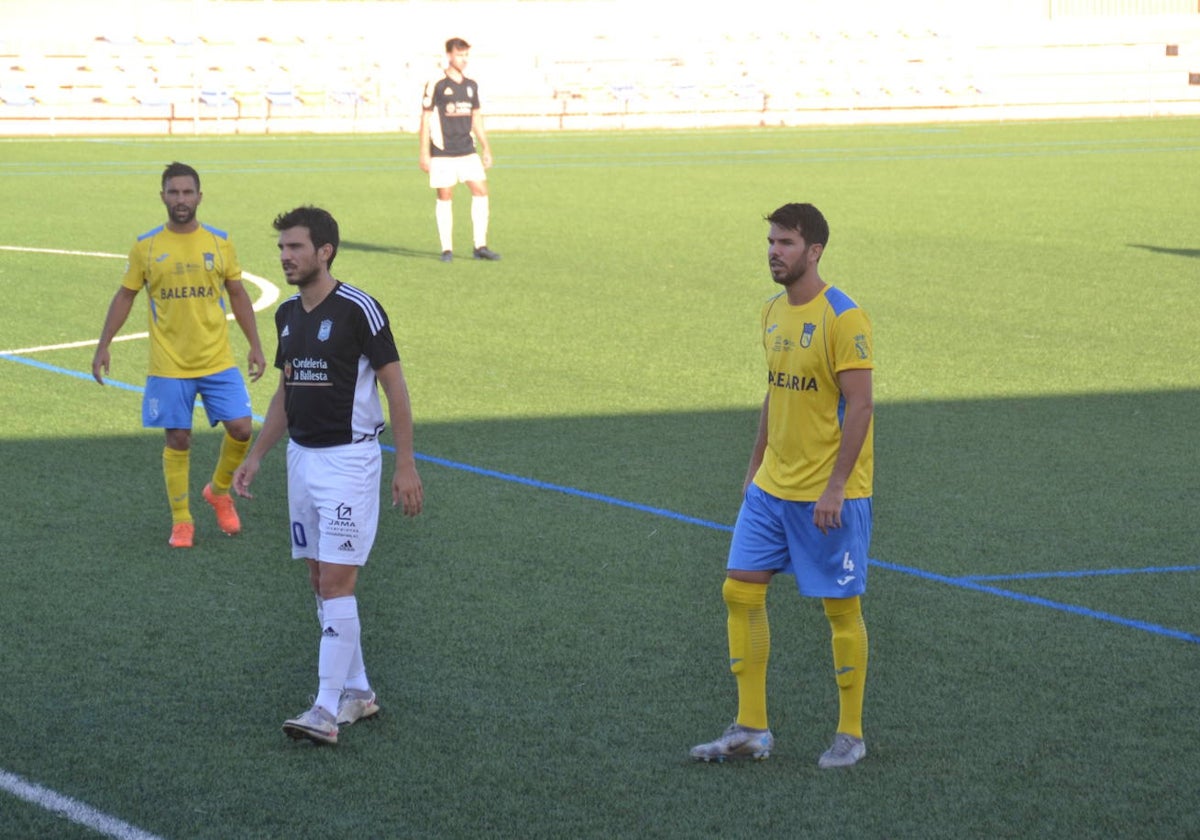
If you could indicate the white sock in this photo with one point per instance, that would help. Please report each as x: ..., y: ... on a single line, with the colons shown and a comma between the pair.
x: 444, y: 213
x: 480, y: 213
x: 356, y: 677
x: 339, y: 640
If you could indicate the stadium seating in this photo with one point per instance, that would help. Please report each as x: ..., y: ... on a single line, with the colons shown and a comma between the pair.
x: 248, y: 66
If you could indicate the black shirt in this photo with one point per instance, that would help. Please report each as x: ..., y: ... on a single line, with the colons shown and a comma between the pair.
x: 329, y: 357
x: 453, y: 104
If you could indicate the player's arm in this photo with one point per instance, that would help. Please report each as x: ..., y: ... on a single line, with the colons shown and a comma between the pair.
x: 856, y: 422
x: 243, y: 313
x: 485, y: 148
x: 760, y: 444
x: 273, y: 429
x: 406, y: 483
x: 118, y: 313
x: 425, y: 155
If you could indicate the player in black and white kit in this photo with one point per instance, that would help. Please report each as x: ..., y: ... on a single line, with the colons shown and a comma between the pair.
x: 335, y: 344
x: 451, y: 125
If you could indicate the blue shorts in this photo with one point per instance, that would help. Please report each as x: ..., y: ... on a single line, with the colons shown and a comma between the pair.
x: 168, y: 403
x: 775, y: 535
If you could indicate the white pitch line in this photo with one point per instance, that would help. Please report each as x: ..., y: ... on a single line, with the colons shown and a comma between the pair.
x: 58, y: 251
x: 72, y: 809
x: 268, y: 294
x: 43, y: 797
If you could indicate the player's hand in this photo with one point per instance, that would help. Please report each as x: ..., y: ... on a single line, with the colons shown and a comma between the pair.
x: 258, y: 364
x: 100, y: 363
x: 486, y: 157
x: 424, y: 163
x: 242, y: 478
x: 407, y: 490
x: 827, y: 512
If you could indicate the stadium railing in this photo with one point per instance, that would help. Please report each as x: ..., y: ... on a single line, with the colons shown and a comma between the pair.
x: 210, y: 83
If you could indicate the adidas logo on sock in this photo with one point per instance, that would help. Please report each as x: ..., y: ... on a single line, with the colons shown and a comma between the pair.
x: 346, y: 546
x: 330, y: 632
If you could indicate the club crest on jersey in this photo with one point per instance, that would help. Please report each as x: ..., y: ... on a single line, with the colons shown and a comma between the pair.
x: 806, y: 337
x: 325, y: 329
x: 862, y: 346
x: 210, y: 262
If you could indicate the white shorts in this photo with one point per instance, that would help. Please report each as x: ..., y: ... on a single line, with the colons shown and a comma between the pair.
x: 333, y: 501
x: 447, y: 171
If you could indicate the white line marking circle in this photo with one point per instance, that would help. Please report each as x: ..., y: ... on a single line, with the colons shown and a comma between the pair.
x: 268, y: 294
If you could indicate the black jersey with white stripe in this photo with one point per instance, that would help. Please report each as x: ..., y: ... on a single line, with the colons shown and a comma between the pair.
x: 329, y: 357
x: 453, y: 104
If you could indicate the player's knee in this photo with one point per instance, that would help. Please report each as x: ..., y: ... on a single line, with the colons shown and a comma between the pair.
x: 744, y: 593
x: 240, y: 429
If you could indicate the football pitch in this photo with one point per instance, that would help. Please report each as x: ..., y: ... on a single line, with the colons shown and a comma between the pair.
x: 548, y: 638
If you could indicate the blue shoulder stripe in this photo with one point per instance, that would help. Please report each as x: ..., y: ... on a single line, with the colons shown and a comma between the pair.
x: 839, y: 300
x: 152, y: 232
x: 217, y: 232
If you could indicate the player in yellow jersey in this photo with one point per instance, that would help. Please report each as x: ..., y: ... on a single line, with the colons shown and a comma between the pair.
x: 192, y: 278
x: 806, y: 508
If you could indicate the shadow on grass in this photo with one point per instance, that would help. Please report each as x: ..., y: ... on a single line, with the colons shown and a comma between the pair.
x: 516, y: 616
x: 1030, y: 489
x: 394, y: 250
x: 1176, y: 252
x: 969, y: 488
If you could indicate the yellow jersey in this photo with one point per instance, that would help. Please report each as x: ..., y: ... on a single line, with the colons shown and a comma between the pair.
x: 185, y: 275
x: 806, y: 347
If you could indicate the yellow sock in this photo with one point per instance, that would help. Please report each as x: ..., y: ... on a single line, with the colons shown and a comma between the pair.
x: 849, y: 660
x: 233, y: 452
x: 749, y: 648
x: 175, y: 471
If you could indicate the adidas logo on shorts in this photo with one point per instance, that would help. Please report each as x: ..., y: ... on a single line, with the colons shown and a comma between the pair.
x: 346, y: 546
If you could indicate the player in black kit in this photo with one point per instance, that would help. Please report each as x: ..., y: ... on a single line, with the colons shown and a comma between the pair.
x: 335, y: 344
x: 451, y: 125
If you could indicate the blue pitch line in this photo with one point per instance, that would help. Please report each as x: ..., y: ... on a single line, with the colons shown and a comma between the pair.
x: 572, y: 491
x: 457, y: 465
x: 974, y: 585
x: 1082, y: 573
x: 75, y: 373
x: 968, y: 582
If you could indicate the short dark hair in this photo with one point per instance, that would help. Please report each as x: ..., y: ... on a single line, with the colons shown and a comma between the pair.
x: 176, y: 170
x: 457, y: 44
x: 322, y: 227
x: 805, y: 220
